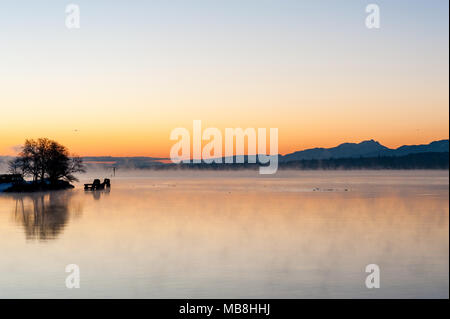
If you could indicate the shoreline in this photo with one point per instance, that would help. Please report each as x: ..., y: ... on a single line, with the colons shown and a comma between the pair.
x: 35, y: 187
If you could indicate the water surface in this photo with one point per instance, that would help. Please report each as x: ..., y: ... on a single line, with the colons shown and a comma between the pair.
x: 231, y: 235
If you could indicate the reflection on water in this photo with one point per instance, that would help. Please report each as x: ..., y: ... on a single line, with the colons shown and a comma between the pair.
x: 197, y: 236
x: 97, y: 194
x: 43, y: 215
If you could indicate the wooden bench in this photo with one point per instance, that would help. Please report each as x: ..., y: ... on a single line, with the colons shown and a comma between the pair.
x: 96, y: 185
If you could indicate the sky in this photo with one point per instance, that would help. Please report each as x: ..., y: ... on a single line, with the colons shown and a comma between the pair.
x: 134, y: 71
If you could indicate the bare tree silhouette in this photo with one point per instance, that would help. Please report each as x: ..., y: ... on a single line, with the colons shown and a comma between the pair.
x: 45, y: 159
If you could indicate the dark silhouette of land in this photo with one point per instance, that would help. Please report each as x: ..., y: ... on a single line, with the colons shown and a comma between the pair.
x: 411, y: 161
x: 369, y: 148
x: 365, y: 155
x: 430, y: 160
x: 47, y: 163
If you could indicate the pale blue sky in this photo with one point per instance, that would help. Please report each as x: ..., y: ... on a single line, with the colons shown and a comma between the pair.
x: 302, y: 66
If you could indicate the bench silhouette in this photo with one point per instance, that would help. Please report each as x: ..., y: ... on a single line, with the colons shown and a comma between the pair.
x: 96, y: 185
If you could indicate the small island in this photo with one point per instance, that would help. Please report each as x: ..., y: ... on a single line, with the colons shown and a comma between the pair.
x: 41, y: 165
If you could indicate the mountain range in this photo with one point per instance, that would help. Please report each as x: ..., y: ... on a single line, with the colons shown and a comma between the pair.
x: 365, y: 149
x: 368, y: 148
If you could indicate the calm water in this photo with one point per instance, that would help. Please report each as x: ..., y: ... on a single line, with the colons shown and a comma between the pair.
x: 237, y: 234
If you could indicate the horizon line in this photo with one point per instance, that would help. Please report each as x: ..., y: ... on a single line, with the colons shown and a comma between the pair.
x: 168, y: 158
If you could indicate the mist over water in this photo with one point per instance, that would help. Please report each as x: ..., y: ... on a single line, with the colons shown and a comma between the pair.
x: 223, y: 234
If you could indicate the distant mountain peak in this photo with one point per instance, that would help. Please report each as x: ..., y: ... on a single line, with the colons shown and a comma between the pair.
x: 371, y: 141
x: 366, y: 142
x: 364, y: 145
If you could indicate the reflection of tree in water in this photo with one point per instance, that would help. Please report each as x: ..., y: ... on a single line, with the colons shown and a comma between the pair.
x: 44, y: 215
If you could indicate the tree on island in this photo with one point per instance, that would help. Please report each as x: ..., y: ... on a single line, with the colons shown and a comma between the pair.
x: 45, y: 160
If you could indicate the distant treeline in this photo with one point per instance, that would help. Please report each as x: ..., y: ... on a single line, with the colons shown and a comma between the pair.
x: 429, y: 160
x: 410, y: 161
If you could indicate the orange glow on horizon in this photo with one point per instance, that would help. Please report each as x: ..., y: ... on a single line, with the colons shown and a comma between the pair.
x: 130, y: 146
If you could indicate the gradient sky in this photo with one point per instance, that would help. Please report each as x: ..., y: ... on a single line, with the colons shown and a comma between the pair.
x: 135, y: 70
